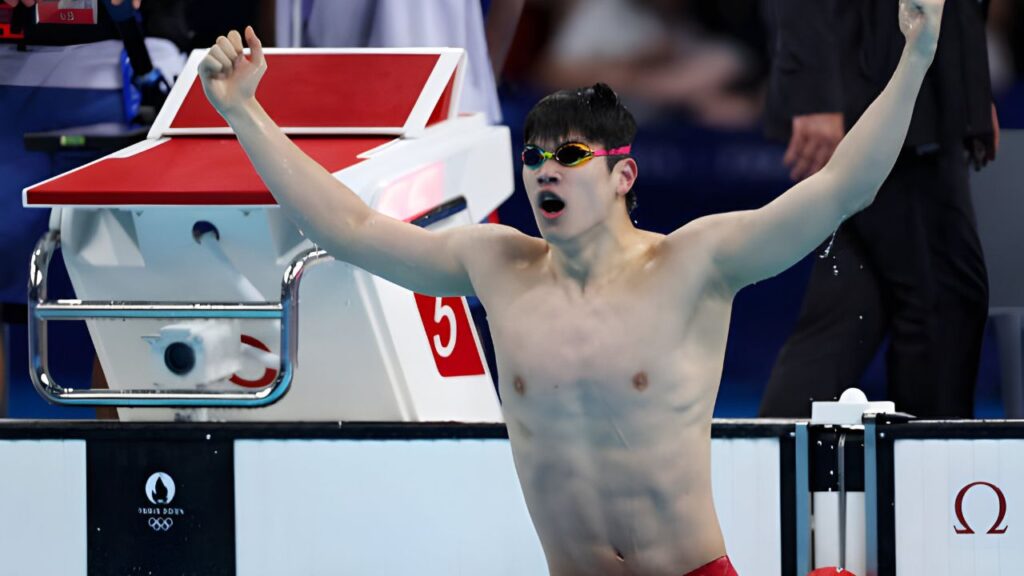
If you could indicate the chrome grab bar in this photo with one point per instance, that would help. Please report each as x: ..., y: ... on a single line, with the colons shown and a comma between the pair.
x: 40, y: 312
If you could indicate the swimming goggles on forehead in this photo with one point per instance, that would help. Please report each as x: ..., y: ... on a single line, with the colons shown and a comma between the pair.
x: 569, y: 154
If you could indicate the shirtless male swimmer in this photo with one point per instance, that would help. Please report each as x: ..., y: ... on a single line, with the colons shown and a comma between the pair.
x: 610, y: 340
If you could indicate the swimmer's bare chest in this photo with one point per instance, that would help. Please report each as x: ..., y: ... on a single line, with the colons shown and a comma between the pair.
x: 564, y: 351
x: 608, y: 396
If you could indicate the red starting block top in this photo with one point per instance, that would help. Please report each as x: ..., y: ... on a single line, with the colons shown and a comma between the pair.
x: 378, y: 91
x: 337, y: 104
x: 187, y: 171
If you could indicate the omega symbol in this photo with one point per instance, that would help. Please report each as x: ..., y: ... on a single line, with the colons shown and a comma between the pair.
x: 965, y: 528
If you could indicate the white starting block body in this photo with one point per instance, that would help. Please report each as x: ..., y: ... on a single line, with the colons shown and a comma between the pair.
x: 183, y: 217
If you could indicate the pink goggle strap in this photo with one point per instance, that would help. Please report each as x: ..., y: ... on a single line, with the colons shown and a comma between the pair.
x: 613, y: 151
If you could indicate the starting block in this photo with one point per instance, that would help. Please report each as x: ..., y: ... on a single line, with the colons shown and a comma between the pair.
x: 178, y: 253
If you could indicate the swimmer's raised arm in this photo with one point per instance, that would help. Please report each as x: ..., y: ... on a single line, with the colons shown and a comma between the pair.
x: 326, y: 210
x: 753, y: 245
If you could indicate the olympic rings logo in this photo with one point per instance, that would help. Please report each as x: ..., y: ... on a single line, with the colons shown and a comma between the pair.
x: 161, y: 524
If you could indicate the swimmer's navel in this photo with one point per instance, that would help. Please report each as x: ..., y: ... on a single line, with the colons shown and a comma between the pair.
x: 519, y: 385
x: 640, y: 381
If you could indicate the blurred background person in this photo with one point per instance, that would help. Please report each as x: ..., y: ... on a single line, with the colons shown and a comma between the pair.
x: 662, y: 54
x: 910, y: 266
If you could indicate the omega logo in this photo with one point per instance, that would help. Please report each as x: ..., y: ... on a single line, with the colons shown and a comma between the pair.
x: 965, y: 528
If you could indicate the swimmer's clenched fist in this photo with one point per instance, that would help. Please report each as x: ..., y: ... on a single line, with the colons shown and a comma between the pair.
x: 919, y: 22
x: 229, y: 77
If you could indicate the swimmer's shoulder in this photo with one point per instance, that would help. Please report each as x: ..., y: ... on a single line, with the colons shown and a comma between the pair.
x: 697, y: 235
x: 498, y: 243
x: 691, y: 249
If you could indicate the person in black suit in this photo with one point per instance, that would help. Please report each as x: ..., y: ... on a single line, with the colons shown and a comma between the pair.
x: 910, y: 266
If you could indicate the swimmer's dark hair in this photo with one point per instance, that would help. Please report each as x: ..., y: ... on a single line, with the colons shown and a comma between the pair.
x: 593, y: 113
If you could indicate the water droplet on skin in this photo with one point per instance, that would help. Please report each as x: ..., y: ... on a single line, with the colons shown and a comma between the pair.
x: 828, y: 251
x: 831, y: 241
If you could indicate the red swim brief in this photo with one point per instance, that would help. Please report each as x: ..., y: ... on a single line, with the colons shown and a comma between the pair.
x: 720, y: 567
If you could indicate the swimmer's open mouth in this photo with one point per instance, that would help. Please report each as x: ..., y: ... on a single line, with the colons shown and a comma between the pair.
x: 551, y: 204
